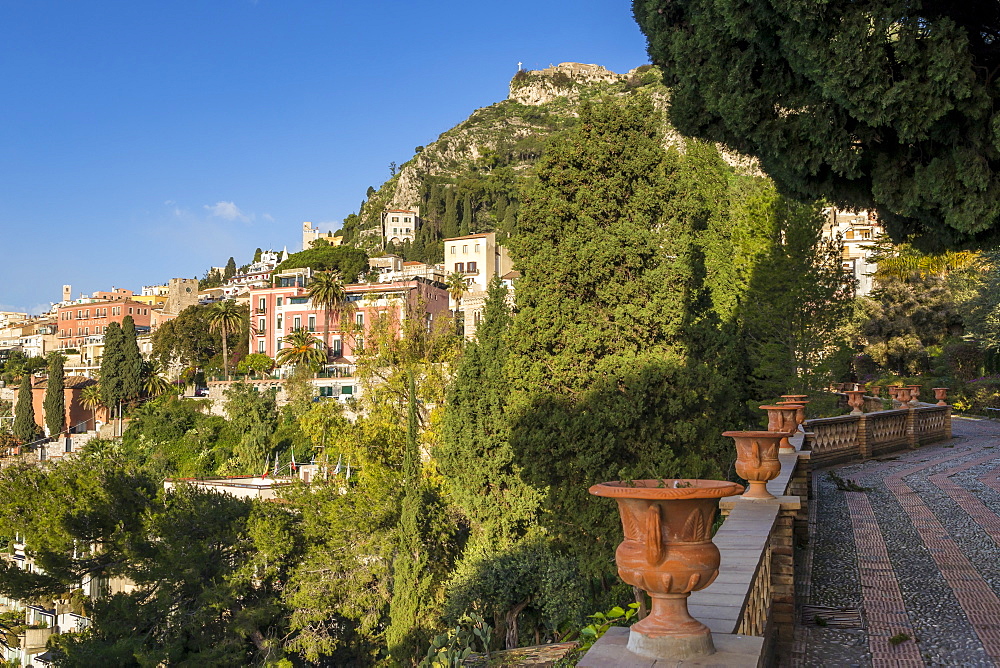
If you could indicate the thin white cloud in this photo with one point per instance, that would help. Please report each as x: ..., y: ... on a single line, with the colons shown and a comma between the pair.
x: 228, y: 211
x: 268, y: 217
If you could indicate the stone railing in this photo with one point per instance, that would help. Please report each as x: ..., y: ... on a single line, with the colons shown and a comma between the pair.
x: 851, y: 437
x: 750, y: 607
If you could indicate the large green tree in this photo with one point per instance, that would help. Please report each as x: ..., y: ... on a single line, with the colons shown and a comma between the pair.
x: 55, y: 399
x: 188, y: 339
x: 227, y: 318
x: 24, y: 412
x: 875, y: 104
x: 112, y: 368
x: 131, y: 367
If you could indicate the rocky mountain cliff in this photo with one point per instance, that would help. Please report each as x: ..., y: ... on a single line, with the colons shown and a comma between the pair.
x: 469, y: 179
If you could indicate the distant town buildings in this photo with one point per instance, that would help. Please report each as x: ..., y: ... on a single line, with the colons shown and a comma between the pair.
x: 400, y: 225
x: 857, y: 231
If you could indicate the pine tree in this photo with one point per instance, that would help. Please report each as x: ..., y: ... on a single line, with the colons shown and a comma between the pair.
x: 131, y: 365
x: 24, y: 412
x: 602, y: 384
x: 55, y: 400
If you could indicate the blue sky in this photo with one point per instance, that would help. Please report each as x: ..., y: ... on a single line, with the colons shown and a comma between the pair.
x: 145, y: 140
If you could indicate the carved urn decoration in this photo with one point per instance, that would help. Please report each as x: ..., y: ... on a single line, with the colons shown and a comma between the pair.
x: 757, y: 460
x: 783, y: 417
x: 856, y: 400
x: 669, y: 553
x: 876, y: 391
x: 902, y: 395
x: 941, y: 394
x: 914, y: 394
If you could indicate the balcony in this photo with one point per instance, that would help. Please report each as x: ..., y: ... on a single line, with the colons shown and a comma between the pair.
x: 260, y: 311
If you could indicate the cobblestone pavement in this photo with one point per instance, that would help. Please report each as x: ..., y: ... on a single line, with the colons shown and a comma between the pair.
x: 904, y: 564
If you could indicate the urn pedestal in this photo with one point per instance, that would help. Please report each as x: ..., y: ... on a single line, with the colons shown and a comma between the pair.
x: 783, y: 418
x: 757, y: 460
x: 668, y: 552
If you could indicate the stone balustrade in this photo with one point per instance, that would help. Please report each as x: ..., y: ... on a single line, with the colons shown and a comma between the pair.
x: 847, y: 438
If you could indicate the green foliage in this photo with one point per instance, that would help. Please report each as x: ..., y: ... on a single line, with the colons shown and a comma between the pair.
x: 187, y: 339
x: 24, y: 428
x: 616, y: 616
x: 228, y: 318
x: 55, y: 399
x: 253, y: 414
x: 130, y: 371
x: 112, y: 367
x: 348, y: 261
x: 257, y: 363
x: 454, y: 646
x: 230, y: 270
x: 904, y: 121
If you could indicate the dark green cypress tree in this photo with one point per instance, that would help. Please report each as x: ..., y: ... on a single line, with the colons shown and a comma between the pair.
x: 256, y: 255
x: 112, y: 363
x: 131, y: 365
x: 24, y: 412
x: 451, y: 224
x: 412, y: 579
x: 55, y: 399
x: 467, y: 216
x: 230, y: 270
x: 476, y: 457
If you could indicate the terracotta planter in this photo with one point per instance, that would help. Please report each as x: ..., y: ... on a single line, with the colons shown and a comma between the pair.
x: 800, y: 414
x: 856, y: 400
x: 914, y: 394
x: 876, y: 391
x: 902, y: 395
x: 941, y: 394
x: 783, y: 418
x: 669, y: 553
x: 757, y: 460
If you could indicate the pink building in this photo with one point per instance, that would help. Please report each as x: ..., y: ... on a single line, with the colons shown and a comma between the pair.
x: 276, y: 311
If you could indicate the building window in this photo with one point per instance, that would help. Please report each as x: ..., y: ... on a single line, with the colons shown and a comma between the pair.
x: 260, y: 326
x: 312, y: 323
x: 406, y: 219
x: 260, y: 346
x: 279, y: 301
x: 347, y: 389
x: 359, y: 344
x: 297, y: 322
x: 465, y: 248
x: 338, y: 347
x: 395, y: 219
x: 359, y: 319
x: 278, y: 325
x: 472, y: 267
x: 395, y: 231
x: 460, y: 267
x: 130, y: 310
x: 79, y: 314
x: 407, y: 230
x: 453, y: 249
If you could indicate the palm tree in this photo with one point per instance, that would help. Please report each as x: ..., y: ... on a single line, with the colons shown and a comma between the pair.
x: 91, y: 399
x: 456, y: 288
x: 303, y: 348
x: 226, y: 319
x: 153, y: 384
x: 328, y: 292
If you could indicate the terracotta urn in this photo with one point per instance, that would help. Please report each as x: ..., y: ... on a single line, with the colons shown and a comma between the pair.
x: 914, y: 394
x: 876, y: 391
x: 783, y: 418
x: 902, y: 395
x: 800, y: 414
x: 856, y: 400
x: 757, y: 460
x: 669, y: 553
x: 941, y: 394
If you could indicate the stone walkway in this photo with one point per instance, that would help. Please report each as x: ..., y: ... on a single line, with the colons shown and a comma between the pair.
x: 905, y: 558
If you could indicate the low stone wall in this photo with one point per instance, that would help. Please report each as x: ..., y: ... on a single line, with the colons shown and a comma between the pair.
x: 845, y: 438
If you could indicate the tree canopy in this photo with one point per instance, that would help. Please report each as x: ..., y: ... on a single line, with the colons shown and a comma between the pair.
x: 878, y: 104
x: 347, y: 260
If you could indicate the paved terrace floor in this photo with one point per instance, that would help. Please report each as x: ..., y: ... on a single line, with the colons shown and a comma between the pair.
x: 906, y: 571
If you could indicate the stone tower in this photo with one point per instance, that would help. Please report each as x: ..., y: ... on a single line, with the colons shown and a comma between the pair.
x: 181, y: 293
x: 67, y: 293
x: 309, y: 235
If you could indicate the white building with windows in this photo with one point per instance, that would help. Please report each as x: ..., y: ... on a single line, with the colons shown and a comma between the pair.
x: 478, y: 258
x: 400, y: 225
